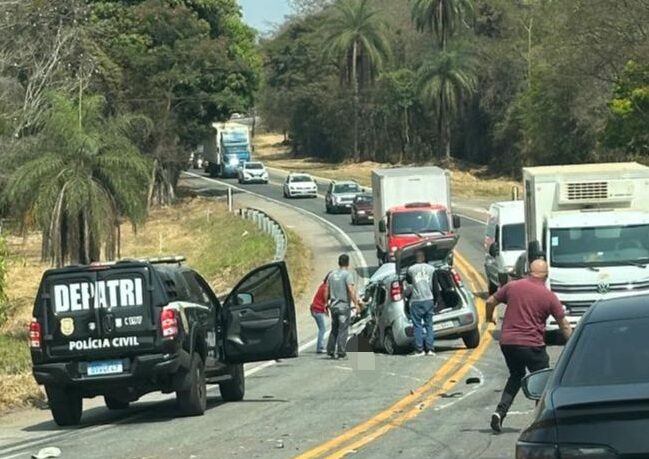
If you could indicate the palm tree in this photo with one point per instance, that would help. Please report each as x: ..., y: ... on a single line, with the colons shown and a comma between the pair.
x: 88, y: 175
x: 441, y: 17
x: 355, y: 38
x: 446, y: 80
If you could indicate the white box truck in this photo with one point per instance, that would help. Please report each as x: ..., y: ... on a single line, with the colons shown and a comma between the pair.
x: 591, y: 223
x: 409, y: 204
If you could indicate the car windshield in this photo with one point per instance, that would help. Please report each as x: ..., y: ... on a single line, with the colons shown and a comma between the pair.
x: 301, y: 179
x: 420, y: 221
x: 513, y: 237
x: 346, y: 188
x: 363, y: 199
x: 254, y: 166
x: 601, y: 246
x: 610, y: 353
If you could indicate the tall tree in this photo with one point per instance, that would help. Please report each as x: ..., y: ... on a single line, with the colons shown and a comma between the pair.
x: 87, y: 177
x: 442, y: 17
x: 446, y: 80
x: 356, y: 39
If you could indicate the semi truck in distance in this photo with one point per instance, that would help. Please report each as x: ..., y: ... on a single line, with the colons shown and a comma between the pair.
x: 410, y: 204
x: 591, y: 223
x: 230, y: 147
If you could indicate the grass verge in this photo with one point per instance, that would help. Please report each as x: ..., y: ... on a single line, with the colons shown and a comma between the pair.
x: 220, y: 245
x: 466, y: 182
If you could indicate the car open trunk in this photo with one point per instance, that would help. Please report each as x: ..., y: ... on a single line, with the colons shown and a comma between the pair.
x: 437, y: 250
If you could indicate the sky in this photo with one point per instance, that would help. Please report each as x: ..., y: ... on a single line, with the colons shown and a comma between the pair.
x: 262, y: 14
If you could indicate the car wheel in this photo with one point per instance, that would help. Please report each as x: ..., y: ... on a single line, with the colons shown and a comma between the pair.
x: 389, y: 344
x: 234, y: 389
x: 193, y: 400
x: 327, y: 208
x: 66, y: 405
x: 114, y: 403
x: 493, y: 288
x: 472, y: 338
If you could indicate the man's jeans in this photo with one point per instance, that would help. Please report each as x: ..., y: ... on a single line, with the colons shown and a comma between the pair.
x: 320, y: 321
x: 339, y: 330
x: 519, y: 358
x: 421, y: 313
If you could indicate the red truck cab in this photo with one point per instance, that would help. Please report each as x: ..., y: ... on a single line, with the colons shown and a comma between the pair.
x: 410, y: 223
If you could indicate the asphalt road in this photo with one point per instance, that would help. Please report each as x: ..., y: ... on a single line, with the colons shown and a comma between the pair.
x: 369, y: 406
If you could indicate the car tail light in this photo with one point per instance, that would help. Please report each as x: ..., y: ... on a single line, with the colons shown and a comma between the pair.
x: 169, y: 323
x: 456, y: 277
x: 395, y: 291
x: 35, y: 337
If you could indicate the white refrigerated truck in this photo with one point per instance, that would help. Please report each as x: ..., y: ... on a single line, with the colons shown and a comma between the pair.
x: 591, y: 223
x: 410, y: 203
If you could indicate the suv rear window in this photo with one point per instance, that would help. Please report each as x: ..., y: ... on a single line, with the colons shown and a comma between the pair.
x: 610, y: 353
x: 346, y: 188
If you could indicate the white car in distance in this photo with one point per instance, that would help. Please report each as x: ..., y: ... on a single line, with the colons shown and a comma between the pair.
x: 252, y: 172
x: 300, y: 185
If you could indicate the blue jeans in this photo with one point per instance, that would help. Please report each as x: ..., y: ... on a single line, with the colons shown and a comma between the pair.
x: 421, y: 313
x: 322, y: 328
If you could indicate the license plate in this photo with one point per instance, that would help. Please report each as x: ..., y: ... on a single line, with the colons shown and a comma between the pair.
x: 443, y: 325
x: 105, y: 367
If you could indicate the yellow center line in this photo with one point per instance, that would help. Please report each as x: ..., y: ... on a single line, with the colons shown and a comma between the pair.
x: 413, y: 404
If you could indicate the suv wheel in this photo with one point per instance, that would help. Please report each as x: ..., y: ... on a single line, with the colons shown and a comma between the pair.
x: 114, y: 403
x: 193, y: 401
x: 472, y: 339
x: 234, y: 389
x: 66, y: 405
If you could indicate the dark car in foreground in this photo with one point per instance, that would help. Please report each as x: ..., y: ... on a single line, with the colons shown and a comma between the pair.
x: 363, y: 209
x: 595, y: 403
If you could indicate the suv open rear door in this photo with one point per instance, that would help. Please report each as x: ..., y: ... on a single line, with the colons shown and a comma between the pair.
x: 259, y: 317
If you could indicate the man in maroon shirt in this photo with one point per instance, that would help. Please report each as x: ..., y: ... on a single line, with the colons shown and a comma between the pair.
x: 529, y: 304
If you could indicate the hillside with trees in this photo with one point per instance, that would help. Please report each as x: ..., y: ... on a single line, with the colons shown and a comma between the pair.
x: 494, y: 82
x: 102, y: 103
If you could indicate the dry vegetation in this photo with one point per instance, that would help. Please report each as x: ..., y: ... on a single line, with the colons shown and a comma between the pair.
x: 467, y: 182
x: 201, y: 230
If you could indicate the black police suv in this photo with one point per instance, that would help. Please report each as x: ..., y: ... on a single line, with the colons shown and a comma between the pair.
x: 123, y: 329
x: 595, y: 403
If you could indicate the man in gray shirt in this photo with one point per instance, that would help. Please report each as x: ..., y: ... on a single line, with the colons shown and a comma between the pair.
x: 340, y: 295
x: 420, y: 278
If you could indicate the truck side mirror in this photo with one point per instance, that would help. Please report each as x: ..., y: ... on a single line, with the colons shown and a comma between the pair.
x: 382, y: 228
x: 494, y: 250
x: 457, y: 223
x: 534, y: 251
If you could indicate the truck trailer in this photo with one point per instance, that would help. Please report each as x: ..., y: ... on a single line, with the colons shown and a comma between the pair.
x: 591, y: 223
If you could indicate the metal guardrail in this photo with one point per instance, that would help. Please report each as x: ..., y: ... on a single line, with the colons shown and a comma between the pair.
x: 269, y: 226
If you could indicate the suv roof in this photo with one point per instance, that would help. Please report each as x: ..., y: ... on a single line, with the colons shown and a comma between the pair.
x: 124, y: 263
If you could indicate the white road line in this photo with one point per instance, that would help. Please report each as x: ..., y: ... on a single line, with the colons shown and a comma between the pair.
x: 348, y: 240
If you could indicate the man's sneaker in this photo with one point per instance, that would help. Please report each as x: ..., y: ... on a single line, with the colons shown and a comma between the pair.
x: 331, y: 355
x: 430, y: 354
x: 418, y: 354
x: 342, y: 356
x: 496, y: 423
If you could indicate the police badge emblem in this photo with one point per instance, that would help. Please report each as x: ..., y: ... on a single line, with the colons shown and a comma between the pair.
x: 67, y: 326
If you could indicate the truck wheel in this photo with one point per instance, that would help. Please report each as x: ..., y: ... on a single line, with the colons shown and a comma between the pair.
x: 193, y: 401
x: 472, y: 339
x: 234, y: 389
x: 66, y: 405
x: 115, y: 404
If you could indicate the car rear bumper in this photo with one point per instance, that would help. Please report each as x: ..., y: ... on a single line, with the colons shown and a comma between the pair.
x: 149, y: 367
x: 446, y: 325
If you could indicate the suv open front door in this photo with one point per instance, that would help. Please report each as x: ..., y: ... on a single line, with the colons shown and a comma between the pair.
x: 259, y: 317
